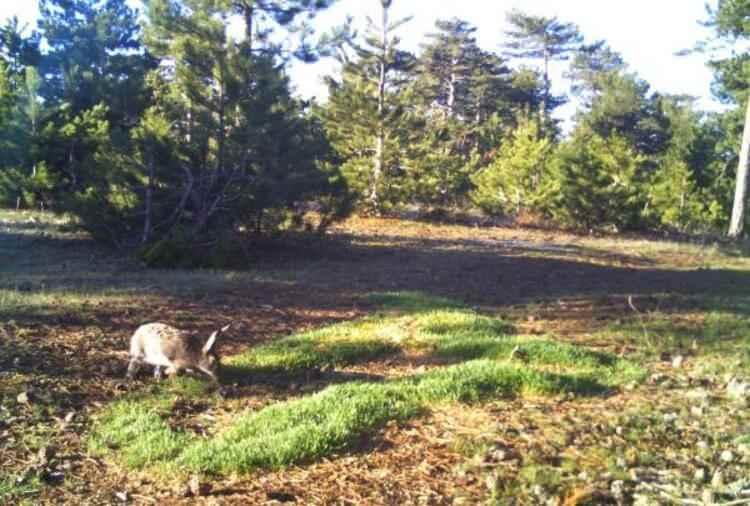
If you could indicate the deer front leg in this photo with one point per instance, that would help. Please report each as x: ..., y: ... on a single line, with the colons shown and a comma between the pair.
x: 133, y: 367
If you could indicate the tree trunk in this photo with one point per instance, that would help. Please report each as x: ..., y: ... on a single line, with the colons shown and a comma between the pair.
x: 452, y: 89
x: 379, y: 162
x: 249, y: 14
x: 545, y: 95
x: 740, y: 194
x: 149, y: 200
x: 377, y: 171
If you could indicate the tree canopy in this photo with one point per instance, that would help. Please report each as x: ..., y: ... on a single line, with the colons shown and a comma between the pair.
x: 179, y: 126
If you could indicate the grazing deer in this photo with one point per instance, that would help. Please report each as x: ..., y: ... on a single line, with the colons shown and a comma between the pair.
x: 164, y: 346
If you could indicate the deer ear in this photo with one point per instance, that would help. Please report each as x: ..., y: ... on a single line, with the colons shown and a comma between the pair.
x: 211, y: 341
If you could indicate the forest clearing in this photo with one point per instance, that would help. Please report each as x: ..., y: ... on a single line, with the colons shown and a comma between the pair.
x: 349, y: 252
x: 392, y: 362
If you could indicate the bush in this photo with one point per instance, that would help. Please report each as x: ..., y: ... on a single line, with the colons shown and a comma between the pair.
x: 26, y: 190
x: 600, y: 183
x: 517, y: 179
x: 674, y: 199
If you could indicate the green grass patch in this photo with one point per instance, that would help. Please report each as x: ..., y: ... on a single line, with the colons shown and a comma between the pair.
x: 336, y: 345
x: 315, y: 426
x: 13, y: 491
x: 138, y: 429
x: 720, y: 329
x: 453, y: 333
x: 412, y: 302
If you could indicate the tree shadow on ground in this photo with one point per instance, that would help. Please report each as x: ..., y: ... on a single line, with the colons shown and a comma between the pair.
x: 317, y: 282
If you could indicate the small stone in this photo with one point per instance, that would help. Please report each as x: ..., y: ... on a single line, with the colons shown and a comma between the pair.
x: 678, y: 361
x: 717, y: 481
x: 708, y: 496
x: 657, y: 378
x: 699, y: 395
x: 23, y: 398
x: 70, y: 416
x: 538, y: 491
x: 727, y: 456
x: 738, y: 390
x: 670, y: 417
x: 618, y: 489
x: 197, y: 487
x: 45, y: 454
x: 122, y: 496
x: 490, y: 482
x: 700, y: 475
x: 642, y: 500
x: 499, y: 455
x: 619, y: 431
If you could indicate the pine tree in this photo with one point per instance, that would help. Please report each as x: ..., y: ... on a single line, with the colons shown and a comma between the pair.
x: 544, y: 38
x: 600, y: 182
x: 366, y: 117
x: 590, y: 68
x: 93, y: 55
x: 625, y: 106
x: 242, y: 145
x: 7, y: 98
x: 447, y: 66
x: 262, y: 16
x: 439, y: 163
x: 674, y: 198
x: 517, y: 179
x: 689, y: 187
x: 18, y: 49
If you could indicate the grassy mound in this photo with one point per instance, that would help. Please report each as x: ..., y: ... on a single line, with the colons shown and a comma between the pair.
x: 137, y: 429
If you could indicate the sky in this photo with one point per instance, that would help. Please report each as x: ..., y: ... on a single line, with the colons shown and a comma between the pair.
x: 647, y: 33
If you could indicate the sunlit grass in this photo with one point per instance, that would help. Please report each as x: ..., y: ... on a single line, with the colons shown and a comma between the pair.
x: 314, y: 426
x: 15, y: 491
x: 337, y: 418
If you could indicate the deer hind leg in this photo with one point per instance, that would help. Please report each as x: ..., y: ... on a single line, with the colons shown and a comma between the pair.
x: 158, y: 372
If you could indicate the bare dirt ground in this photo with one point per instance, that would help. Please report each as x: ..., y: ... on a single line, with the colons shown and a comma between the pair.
x: 69, y: 307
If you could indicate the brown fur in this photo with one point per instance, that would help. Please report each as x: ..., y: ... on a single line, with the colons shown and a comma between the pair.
x: 162, y: 345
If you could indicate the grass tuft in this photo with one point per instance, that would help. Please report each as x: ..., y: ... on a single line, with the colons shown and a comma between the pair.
x: 412, y: 302
x: 13, y: 490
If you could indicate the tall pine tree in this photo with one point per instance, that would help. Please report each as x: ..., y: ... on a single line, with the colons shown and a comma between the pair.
x: 367, y: 118
x: 539, y: 37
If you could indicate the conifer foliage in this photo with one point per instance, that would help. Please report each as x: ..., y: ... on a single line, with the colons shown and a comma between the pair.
x: 517, y: 180
x: 176, y: 131
x: 367, y: 117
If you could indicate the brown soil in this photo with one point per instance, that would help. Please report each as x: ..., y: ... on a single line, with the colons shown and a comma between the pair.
x: 544, y: 282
